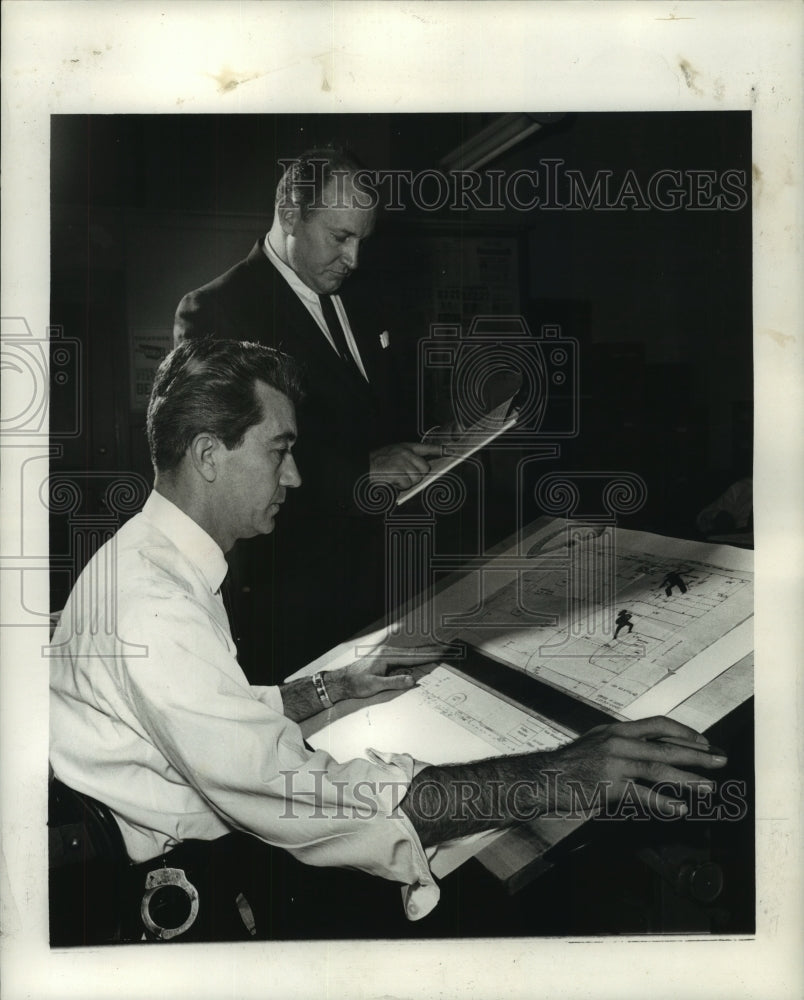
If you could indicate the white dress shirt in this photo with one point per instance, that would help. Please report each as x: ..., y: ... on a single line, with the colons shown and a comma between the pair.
x: 312, y: 303
x: 151, y: 714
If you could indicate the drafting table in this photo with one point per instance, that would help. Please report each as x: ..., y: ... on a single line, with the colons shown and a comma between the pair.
x: 486, y: 707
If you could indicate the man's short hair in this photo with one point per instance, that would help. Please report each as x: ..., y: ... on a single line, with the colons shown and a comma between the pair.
x: 208, y: 386
x: 306, y: 177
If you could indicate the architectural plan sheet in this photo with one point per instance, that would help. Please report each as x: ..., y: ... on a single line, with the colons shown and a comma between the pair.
x: 629, y: 622
x: 445, y: 719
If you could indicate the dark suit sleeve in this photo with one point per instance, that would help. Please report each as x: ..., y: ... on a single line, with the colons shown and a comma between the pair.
x: 191, y: 319
x: 228, y: 307
x: 206, y: 313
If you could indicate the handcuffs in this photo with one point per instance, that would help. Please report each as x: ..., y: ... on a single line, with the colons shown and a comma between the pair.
x: 157, y: 882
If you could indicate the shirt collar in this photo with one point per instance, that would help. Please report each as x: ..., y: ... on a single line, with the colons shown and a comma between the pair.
x: 289, y: 274
x: 188, y: 537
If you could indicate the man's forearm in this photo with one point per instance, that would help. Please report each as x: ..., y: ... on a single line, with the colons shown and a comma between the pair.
x: 460, y: 799
x: 574, y: 780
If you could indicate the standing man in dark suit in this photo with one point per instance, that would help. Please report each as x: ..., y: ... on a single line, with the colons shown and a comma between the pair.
x: 286, y: 294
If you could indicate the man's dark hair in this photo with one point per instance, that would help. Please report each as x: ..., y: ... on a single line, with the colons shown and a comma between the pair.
x: 208, y: 386
x: 306, y: 177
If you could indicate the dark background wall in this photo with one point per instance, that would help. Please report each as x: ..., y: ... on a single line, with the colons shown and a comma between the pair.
x: 146, y: 207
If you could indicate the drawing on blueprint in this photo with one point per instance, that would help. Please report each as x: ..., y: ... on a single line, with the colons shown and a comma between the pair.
x: 610, y: 635
x: 505, y: 728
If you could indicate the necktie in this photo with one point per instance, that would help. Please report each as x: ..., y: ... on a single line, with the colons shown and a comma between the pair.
x: 336, y: 331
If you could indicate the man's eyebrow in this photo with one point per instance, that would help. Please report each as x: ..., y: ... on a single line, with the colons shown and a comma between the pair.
x: 345, y: 231
x: 286, y: 437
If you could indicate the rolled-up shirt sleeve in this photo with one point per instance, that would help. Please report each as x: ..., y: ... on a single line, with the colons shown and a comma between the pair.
x: 247, y: 761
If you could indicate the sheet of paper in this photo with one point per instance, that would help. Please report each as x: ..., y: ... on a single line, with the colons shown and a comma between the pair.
x: 627, y: 639
x: 705, y: 707
x: 695, y: 673
x: 472, y: 440
x: 445, y: 719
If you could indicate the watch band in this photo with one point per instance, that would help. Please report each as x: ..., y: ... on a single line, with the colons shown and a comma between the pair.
x: 321, y: 690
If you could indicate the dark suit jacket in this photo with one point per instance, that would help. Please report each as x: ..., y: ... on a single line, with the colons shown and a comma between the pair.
x: 322, y: 571
x: 342, y: 418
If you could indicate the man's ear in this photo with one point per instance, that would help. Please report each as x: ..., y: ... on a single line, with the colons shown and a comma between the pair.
x: 289, y: 219
x: 204, y: 453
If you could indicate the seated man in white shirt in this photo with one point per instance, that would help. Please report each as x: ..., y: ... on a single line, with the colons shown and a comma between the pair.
x: 152, y: 715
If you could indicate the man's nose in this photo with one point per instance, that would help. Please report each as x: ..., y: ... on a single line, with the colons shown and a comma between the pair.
x: 290, y: 472
x: 351, y: 254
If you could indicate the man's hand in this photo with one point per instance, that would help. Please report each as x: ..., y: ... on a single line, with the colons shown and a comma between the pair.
x: 361, y: 679
x: 402, y: 465
x: 370, y: 675
x: 624, y: 760
x: 627, y: 758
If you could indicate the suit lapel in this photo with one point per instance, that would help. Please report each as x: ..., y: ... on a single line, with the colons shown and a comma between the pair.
x: 293, y: 328
x: 367, y: 331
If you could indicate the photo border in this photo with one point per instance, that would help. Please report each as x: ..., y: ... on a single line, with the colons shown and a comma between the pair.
x: 205, y: 57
